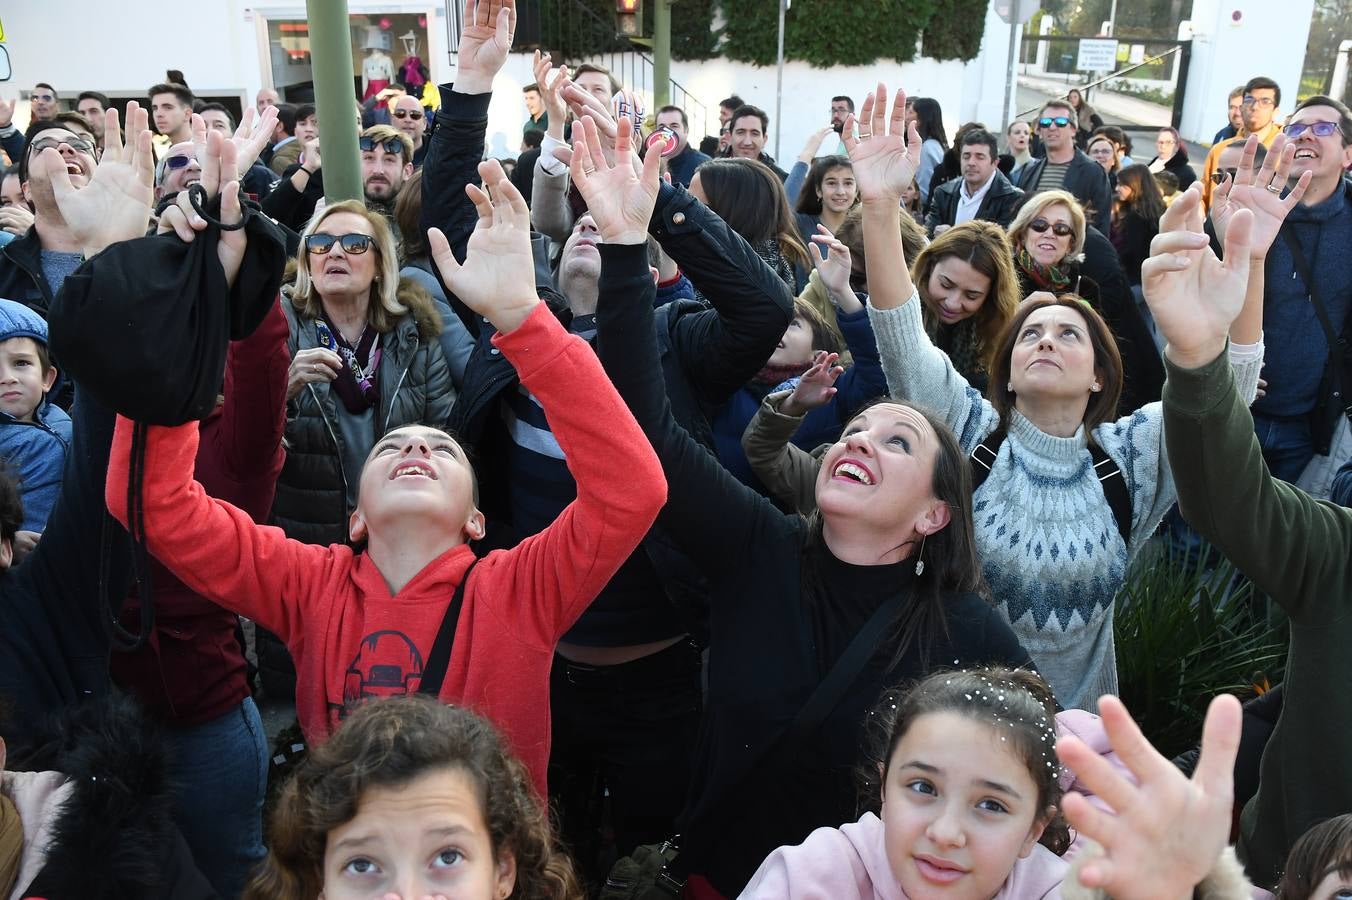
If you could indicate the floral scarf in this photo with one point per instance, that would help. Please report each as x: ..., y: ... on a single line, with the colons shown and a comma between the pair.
x: 356, y: 382
x: 1045, y: 278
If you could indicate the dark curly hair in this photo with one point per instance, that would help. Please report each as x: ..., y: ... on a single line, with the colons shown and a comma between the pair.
x: 1017, y: 699
x: 388, y: 743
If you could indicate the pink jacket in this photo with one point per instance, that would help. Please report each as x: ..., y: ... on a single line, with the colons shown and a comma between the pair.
x: 850, y: 863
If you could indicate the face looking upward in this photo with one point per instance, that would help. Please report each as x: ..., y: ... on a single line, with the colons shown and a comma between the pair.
x: 1053, y: 356
x: 748, y: 137
x: 426, y: 837
x: 960, y: 808
x: 580, y: 258
x: 1326, y: 157
x: 184, y: 172
x: 956, y: 290
x: 76, y: 153
x: 417, y: 473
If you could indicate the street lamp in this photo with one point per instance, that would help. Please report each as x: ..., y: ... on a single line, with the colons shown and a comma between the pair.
x: 629, y: 18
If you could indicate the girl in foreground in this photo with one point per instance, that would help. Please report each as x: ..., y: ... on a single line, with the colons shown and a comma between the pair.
x: 412, y: 799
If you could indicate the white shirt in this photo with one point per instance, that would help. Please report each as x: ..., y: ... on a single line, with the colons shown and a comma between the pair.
x: 968, y: 204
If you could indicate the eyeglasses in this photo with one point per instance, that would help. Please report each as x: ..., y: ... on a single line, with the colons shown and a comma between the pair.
x: 42, y: 98
x: 389, y: 145
x: 1060, y: 229
x: 406, y: 114
x: 1059, y: 122
x: 178, y: 162
x: 74, y: 143
x: 355, y: 244
x: 1320, y: 129
x: 1250, y: 100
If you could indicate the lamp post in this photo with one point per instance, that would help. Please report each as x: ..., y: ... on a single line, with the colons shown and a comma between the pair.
x: 331, y: 63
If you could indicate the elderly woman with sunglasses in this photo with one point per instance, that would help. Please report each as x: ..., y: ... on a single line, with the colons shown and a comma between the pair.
x: 1067, y: 493
x: 1056, y: 250
x: 366, y: 358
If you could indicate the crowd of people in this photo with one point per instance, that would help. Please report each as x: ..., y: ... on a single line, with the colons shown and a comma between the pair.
x: 642, y: 519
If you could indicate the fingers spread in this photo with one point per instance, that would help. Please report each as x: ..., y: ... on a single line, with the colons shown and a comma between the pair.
x: 482, y: 204
x: 1237, y: 240
x: 440, y: 250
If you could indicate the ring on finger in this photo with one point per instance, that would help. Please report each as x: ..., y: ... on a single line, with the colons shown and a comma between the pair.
x: 1275, y: 187
x: 863, y: 135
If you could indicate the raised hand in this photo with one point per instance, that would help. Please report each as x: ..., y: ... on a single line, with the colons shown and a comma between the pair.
x: 497, y: 279
x: 16, y: 219
x: 1193, y: 296
x: 885, y: 155
x: 620, y: 200
x: 115, y: 204
x: 551, y: 86
x: 219, y: 166
x: 1167, y: 831
x: 485, y: 40
x: 1260, y: 192
x: 309, y: 157
x: 834, y: 268
x: 814, y: 143
x: 252, y: 136
x: 816, y: 387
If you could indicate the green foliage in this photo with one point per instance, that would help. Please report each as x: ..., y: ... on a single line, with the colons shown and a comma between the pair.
x: 954, y: 30
x: 1185, y: 634
x: 826, y: 32
x: 692, y: 30
x: 1149, y: 94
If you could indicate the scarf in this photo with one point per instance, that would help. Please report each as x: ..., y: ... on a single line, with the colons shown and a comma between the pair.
x: 776, y: 376
x: 356, y: 381
x: 11, y: 845
x: 1046, y: 278
x: 963, y: 346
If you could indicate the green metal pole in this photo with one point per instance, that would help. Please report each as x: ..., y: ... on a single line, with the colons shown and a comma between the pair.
x: 661, y: 54
x: 335, y: 104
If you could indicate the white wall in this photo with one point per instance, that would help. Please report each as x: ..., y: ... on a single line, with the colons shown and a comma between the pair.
x: 1268, y: 39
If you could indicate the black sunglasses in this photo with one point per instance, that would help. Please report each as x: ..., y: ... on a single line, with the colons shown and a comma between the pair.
x: 1059, y: 122
x: 177, y: 162
x: 389, y: 145
x: 406, y: 114
x: 355, y: 244
x: 1060, y: 229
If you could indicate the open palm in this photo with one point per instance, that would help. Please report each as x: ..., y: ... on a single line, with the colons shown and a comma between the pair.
x: 619, y: 199
x: 885, y: 154
x: 487, y: 35
x: 1249, y: 189
x: 1193, y: 296
x: 115, y: 204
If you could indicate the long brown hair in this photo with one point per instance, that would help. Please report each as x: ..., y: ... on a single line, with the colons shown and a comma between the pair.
x: 985, y: 247
x: 1146, y: 200
x: 388, y: 743
x: 1107, y: 360
x: 750, y: 198
x: 809, y: 197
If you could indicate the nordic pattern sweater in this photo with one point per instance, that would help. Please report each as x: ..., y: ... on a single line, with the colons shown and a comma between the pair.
x: 331, y: 606
x: 1050, y: 548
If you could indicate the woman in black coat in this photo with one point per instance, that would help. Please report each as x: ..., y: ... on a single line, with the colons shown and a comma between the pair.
x: 1136, y: 218
x: 1172, y: 156
x: 789, y: 595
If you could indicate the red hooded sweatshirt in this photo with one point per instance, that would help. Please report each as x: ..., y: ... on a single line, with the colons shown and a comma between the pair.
x: 350, y: 639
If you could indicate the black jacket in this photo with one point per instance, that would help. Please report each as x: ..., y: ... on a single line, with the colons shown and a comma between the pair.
x: 1179, y: 165
x: 114, y: 838
x: 998, y: 206
x: 750, y: 796
x: 21, y: 278
x: 1085, y: 179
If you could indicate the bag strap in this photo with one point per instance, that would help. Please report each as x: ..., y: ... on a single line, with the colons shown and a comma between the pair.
x: 434, y: 673
x: 982, y: 457
x: 828, y: 694
x: 1337, y: 343
x: 1114, y: 485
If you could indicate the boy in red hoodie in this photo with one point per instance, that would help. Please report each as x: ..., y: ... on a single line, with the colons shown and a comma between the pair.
x: 362, y: 623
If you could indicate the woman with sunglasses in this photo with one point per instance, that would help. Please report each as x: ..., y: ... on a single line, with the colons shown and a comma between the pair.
x: 1055, y: 544
x: 1056, y: 251
x: 366, y: 358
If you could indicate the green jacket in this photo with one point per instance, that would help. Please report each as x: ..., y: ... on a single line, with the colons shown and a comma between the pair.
x: 1299, y: 551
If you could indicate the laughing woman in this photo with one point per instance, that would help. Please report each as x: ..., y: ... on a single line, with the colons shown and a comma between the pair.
x: 1069, y: 494
x: 884, y: 580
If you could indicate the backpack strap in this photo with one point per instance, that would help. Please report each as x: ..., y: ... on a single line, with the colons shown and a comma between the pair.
x: 434, y: 673
x: 1114, y: 485
x: 982, y: 457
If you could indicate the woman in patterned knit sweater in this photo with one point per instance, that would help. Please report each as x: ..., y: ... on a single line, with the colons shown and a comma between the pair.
x: 1051, y: 550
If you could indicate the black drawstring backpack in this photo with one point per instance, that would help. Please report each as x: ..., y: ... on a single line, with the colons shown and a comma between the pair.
x: 144, y: 327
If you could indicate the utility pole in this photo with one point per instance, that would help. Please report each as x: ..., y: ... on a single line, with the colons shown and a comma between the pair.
x: 661, y: 54
x: 331, y: 63
x: 779, y: 80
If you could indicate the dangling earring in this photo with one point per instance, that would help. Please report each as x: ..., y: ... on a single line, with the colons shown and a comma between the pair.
x: 919, y: 562
x: 1009, y: 388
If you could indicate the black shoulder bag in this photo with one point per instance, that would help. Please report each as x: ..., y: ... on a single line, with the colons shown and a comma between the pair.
x: 652, y: 871
x: 1339, y: 371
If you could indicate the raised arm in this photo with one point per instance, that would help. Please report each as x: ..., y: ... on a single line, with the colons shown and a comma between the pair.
x: 253, y: 415
x: 549, y: 210
x: 788, y: 472
x: 457, y: 138
x: 916, y: 370
x: 708, y: 510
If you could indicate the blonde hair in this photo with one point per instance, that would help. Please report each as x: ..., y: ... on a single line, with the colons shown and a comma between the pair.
x: 387, y: 307
x: 985, y: 247
x: 1034, y: 207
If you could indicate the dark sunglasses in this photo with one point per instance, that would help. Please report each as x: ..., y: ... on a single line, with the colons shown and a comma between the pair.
x: 1320, y: 129
x: 177, y: 162
x: 1060, y: 229
x: 389, y: 145
x: 352, y: 243
x: 1059, y: 122
x: 406, y: 114
x: 74, y: 143
x: 42, y: 98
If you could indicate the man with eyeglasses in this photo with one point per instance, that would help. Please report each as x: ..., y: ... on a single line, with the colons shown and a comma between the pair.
x: 1065, y: 166
x: 1297, y: 416
x: 1258, y: 115
x: 407, y: 115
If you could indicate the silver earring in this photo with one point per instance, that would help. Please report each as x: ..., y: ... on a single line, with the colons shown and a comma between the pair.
x: 1010, y: 387
x: 919, y: 562
x: 1094, y: 386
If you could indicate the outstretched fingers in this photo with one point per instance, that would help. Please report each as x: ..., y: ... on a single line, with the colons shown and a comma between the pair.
x: 1220, y: 745
x: 440, y: 250
x: 1238, y: 237
x: 898, y: 122
x: 878, y: 121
